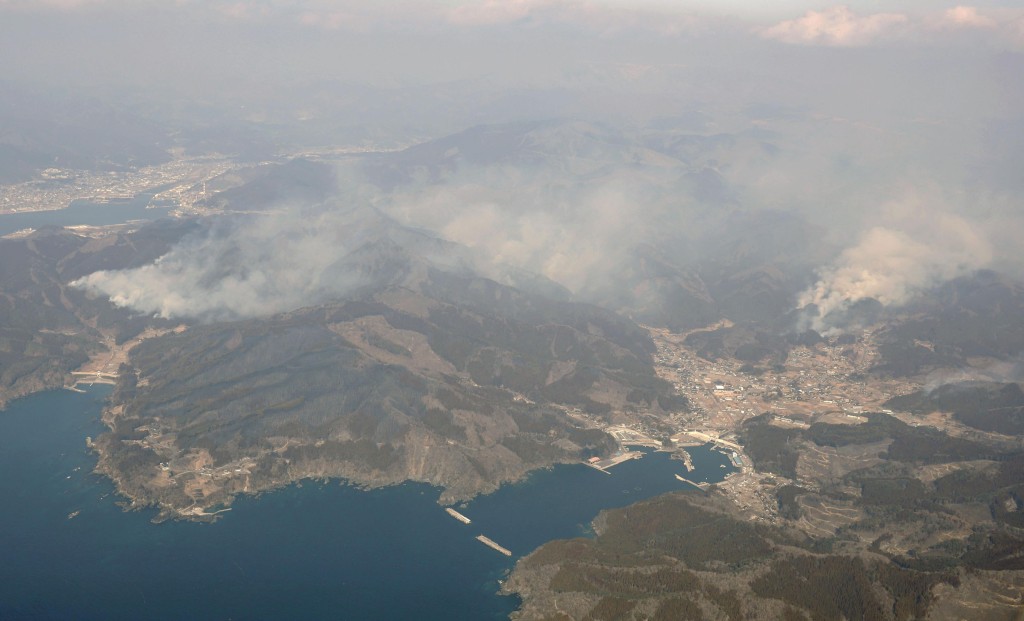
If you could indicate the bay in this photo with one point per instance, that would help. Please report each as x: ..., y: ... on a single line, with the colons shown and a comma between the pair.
x: 309, y: 551
x: 85, y: 212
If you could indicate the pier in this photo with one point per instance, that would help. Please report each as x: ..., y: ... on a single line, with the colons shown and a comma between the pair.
x: 487, y: 541
x: 93, y: 377
x: 702, y: 486
x: 604, y: 464
x: 458, y: 516
x: 101, y: 374
x: 687, y: 460
x: 703, y: 437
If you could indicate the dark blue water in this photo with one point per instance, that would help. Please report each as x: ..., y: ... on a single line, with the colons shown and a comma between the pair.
x: 315, y: 551
x: 84, y: 212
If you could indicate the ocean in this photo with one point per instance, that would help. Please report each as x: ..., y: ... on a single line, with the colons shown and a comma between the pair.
x: 309, y: 551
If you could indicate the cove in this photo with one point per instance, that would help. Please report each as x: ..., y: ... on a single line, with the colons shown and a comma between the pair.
x: 308, y: 551
x: 85, y: 212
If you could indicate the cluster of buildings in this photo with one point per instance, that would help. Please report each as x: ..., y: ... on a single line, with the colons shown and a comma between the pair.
x: 823, y: 382
x: 178, y: 181
x: 824, y: 379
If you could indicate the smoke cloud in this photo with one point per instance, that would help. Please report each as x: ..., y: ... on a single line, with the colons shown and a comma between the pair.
x: 573, y: 235
x: 246, y: 267
x: 893, y: 263
x: 996, y: 371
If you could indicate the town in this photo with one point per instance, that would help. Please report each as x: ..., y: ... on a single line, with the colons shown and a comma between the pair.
x: 823, y: 382
x: 178, y: 182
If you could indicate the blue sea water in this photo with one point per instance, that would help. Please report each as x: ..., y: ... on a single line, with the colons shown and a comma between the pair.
x: 84, y: 212
x: 309, y: 551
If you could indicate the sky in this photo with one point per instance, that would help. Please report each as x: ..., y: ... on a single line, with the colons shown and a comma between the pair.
x: 244, y: 42
x: 210, y: 48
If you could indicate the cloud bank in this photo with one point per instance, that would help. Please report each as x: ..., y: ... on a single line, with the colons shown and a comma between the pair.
x: 968, y: 17
x: 837, y: 26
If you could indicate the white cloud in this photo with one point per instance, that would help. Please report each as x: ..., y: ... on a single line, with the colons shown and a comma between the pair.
x: 969, y: 17
x: 999, y: 26
x: 837, y: 26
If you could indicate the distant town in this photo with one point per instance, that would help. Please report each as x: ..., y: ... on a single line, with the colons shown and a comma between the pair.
x: 179, y: 183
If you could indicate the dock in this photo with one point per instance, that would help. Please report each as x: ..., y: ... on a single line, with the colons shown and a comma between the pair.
x: 596, y: 467
x: 604, y: 464
x: 703, y: 437
x: 687, y: 460
x: 93, y: 377
x: 698, y: 485
x: 487, y: 541
x: 458, y: 516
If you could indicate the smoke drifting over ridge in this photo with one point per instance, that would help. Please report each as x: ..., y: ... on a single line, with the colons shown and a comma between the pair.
x: 505, y: 222
x: 573, y: 235
x: 575, y: 203
x: 246, y: 267
x: 649, y: 154
x: 892, y: 263
x: 998, y: 371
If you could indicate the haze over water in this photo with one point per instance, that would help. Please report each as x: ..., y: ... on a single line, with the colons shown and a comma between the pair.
x: 83, y: 213
x: 313, y: 551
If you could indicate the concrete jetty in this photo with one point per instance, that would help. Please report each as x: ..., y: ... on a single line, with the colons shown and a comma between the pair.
x: 604, y: 464
x: 699, y: 485
x: 487, y: 541
x: 458, y: 516
x: 93, y: 377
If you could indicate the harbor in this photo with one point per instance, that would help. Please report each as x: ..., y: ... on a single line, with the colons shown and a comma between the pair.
x: 338, y: 531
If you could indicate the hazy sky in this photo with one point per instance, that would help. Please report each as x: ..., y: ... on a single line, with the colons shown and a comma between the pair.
x: 202, y: 48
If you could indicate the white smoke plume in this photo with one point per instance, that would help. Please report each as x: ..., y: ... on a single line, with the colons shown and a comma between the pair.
x: 243, y: 268
x: 573, y: 233
x: 1000, y: 371
x: 573, y: 202
x: 892, y: 263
